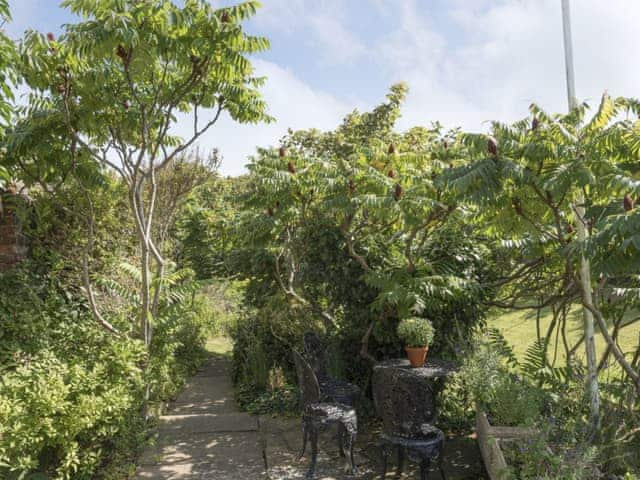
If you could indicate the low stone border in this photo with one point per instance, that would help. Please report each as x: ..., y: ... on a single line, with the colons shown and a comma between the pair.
x: 489, y: 438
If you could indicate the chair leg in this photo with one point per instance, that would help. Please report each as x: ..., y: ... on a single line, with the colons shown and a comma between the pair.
x: 351, y: 439
x: 305, y: 434
x: 424, y: 468
x: 314, y: 451
x: 441, y: 467
x: 342, y: 433
x: 384, y: 449
x: 400, y: 461
x: 441, y: 461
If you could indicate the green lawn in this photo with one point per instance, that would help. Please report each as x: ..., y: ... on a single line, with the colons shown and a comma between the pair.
x: 519, y: 328
x: 219, y: 345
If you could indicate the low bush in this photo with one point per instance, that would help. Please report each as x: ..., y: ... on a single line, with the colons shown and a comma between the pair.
x: 71, y: 394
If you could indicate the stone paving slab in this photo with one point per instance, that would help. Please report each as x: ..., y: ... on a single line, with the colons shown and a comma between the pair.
x: 206, y: 389
x: 204, y: 395
x: 207, y: 423
x: 203, y: 446
x: 237, y: 467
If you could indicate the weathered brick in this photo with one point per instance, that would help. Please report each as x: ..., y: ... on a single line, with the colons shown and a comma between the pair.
x: 8, y: 233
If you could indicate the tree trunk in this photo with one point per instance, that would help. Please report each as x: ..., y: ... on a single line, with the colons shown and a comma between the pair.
x: 589, y: 329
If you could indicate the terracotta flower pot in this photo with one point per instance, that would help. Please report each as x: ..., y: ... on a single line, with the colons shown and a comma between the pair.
x: 416, y: 355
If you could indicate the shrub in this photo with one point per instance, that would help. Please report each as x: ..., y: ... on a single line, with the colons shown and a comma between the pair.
x: 416, y: 332
x: 71, y: 394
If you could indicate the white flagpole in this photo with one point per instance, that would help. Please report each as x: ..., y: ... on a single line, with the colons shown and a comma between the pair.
x: 585, y: 268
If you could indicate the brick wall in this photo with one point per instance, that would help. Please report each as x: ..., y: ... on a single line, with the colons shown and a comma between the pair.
x: 12, y: 244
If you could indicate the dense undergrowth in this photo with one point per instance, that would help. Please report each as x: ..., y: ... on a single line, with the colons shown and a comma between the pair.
x: 72, y: 395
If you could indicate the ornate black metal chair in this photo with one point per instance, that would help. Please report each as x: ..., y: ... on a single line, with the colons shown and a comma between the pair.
x: 331, y: 389
x: 318, y: 415
x: 407, y: 410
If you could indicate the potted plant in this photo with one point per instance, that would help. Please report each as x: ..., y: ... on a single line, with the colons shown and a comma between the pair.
x: 417, y: 335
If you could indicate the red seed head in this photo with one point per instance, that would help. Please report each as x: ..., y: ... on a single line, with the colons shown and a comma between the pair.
x: 282, y: 152
x: 492, y: 146
x: 397, y: 194
x: 445, y: 144
x: 352, y: 186
x: 270, y: 211
x: 391, y: 174
x: 291, y: 167
x: 121, y: 51
x: 569, y: 229
x: 534, y: 123
x: 515, y: 202
x: 225, y: 18
x: 51, y: 37
x: 392, y: 149
x: 628, y: 203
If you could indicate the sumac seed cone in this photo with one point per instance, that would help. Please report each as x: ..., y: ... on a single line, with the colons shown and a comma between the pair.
x: 291, y: 167
x: 445, y: 144
x: 628, y: 203
x: 352, y: 186
x: 492, y: 146
x: 397, y: 194
x: 121, y: 51
x: 225, y: 18
x: 391, y: 174
x: 392, y: 149
x: 51, y: 37
x: 569, y: 229
x: 517, y: 205
x: 534, y: 123
x: 270, y: 211
x: 282, y: 152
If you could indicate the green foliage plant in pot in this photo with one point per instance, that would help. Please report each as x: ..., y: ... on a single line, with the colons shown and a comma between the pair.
x: 417, y: 335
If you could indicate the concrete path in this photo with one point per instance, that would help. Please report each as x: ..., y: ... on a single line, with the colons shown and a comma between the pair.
x: 204, y: 435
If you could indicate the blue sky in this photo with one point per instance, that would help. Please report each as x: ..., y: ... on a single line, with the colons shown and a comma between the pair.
x: 466, y: 61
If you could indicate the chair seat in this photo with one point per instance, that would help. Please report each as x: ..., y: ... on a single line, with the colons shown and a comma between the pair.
x: 424, y: 437
x: 426, y: 443
x: 330, y: 411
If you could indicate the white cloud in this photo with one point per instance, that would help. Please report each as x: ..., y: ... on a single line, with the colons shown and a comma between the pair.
x: 498, y: 57
x: 292, y: 102
x: 322, y: 23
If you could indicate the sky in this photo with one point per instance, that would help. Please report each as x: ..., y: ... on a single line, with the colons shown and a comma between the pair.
x: 467, y: 62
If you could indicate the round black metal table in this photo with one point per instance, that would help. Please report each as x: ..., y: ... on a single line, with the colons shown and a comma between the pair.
x: 414, y: 393
x: 406, y: 400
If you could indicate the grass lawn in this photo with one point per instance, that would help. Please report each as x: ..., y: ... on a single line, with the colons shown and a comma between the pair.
x: 519, y: 328
x: 219, y: 345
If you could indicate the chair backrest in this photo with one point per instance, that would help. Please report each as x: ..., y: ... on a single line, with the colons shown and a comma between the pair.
x: 403, y: 401
x: 317, y: 354
x: 307, y: 381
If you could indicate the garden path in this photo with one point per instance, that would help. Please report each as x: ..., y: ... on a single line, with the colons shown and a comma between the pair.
x: 203, y: 435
